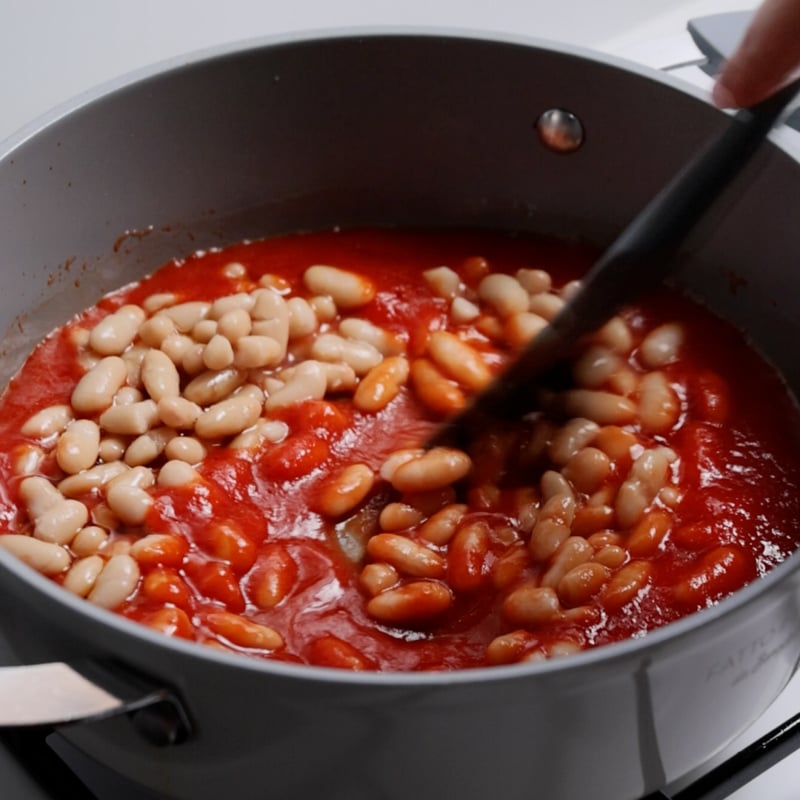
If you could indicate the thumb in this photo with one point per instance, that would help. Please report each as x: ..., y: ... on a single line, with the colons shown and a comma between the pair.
x: 766, y: 57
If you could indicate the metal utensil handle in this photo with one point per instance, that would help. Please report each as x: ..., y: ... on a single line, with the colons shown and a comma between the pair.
x: 56, y: 694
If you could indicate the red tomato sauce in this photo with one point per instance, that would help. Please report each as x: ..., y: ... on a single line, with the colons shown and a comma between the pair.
x: 737, y: 469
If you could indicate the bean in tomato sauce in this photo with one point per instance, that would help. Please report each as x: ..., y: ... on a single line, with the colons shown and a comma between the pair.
x: 229, y: 451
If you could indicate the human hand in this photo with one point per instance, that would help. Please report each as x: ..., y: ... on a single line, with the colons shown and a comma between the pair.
x: 767, y: 56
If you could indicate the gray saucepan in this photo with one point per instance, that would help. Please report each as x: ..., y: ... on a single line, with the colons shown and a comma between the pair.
x: 423, y: 128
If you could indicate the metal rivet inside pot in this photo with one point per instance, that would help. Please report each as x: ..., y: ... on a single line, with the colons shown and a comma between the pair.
x: 560, y: 130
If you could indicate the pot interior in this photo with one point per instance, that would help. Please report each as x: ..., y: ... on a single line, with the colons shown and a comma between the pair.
x: 424, y: 130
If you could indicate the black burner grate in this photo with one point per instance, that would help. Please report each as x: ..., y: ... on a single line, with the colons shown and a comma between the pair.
x: 741, y: 768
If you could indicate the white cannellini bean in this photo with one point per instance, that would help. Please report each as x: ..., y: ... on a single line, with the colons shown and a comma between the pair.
x: 218, y: 353
x: 130, y: 503
x: 187, y: 315
x: 148, y: 447
x: 647, y: 476
x: 661, y: 345
x: 176, y: 346
x: 112, y: 448
x: 347, y: 289
x: 659, y: 404
x: 115, y: 582
x: 241, y: 301
x: 234, y: 324
x: 545, y: 305
x: 45, y: 557
x: 554, y: 484
x: 277, y: 283
x: 95, y: 391
x: 616, y: 335
x: 596, y: 366
x: 127, y: 395
x: 255, y: 352
x: 38, y: 494
x: 308, y: 382
x: 324, y: 307
x: 27, y: 459
x: 270, y: 315
x: 133, y: 358
x: 212, y: 386
x: 91, y: 479
x: 192, y: 361
x: 459, y: 360
x: 444, y: 282
x: 87, y: 359
x: 570, y: 438
x: 160, y: 375
x: 102, y: 517
x: 302, y: 317
x: 265, y: 430
x: 185, y: 448
x: 48, y: 421
x: 432, y: 469
x: 521, y: 328
x: 82, y: 575
x: 61, y: 522
x: 361, y: 356
x: 140, y: 476
x: 251, y: 390
x: 385, y: 342
x: 228, y: 417
x: 504, y: 293
x: 234, y: 270
x: 78, y: 446
x: 339, y: 377
x: 397, y: 459
x: 132, y: 419
x: 155, y: 330
x: 155, y: 302
x: 604, y: 408
x: 178, y: 412
x: 463, y: 310
x: 535, y: 281
x: 177, y: 473
x: 88, y: 540
x: 79, y: 336
x: 116, y: 331
x: 381, y: 384
x: 204, y: 331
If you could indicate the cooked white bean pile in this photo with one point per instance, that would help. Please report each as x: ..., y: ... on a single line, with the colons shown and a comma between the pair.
x: 166, y: 381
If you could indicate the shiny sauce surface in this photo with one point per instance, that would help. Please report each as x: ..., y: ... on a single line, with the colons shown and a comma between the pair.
x: 734, y: 440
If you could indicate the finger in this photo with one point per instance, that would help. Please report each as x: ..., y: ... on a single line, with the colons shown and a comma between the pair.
x: 765, y: 59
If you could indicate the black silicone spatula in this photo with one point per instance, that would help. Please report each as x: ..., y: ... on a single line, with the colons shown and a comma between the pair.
x: 638, y: 260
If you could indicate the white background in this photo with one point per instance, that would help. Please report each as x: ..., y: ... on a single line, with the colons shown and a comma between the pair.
x: 54, y: 50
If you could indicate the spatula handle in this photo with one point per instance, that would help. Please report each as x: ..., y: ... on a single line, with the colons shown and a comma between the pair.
x: 638, y: 260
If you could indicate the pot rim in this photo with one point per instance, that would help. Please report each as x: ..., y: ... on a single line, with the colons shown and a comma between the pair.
x: 785, y: 139
x: 604, y: 655
x: 674, y: 633
x: 196, y: 57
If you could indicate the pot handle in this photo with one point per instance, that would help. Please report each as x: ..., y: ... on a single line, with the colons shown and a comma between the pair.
x: 55, y: 694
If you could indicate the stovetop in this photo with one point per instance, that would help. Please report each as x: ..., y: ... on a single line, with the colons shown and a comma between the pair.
x: 60, y: 55
x: 38, y: 764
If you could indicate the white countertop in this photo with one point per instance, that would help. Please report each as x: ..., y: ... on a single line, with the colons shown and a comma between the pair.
x: 53, y: 50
